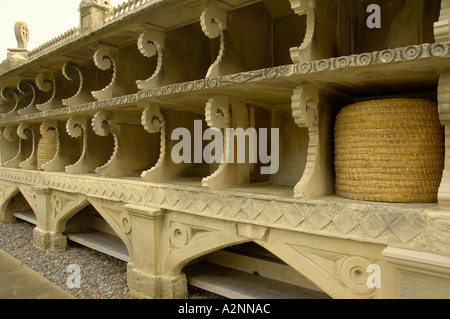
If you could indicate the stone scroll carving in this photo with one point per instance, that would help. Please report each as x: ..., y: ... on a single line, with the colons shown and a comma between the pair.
x: 444, y: 115
x: 26, y: 156
x: 214, y: 23
x: 67, y: 150
x: 105, y: 58
x: 151, y: 43
x: 221, y: 113
x: 442, y: 27
x: 74, y: 74
x: 95, y: 150
x: 22, y: 98
x: 28, y: 89
x: 46, y: 82
x: 11, y: 97
x: 153, y: 122
x: 305, y: 111
x: 133, y: 152
x: 303, y: 53
x: 9, y: 142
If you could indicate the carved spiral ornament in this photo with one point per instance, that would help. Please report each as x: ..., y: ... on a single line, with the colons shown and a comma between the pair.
x: 179, y: 235
x: 217, y: 112
x: 24, y: 131
x: 75, y: 126
x: 45, y: 81
x: 152, y: 119
x: 353, y: 272
x: 102, y: 58
x: 48, y: 129
x: 10, y: 134
x: 213, y: 22
x: 100, y: 124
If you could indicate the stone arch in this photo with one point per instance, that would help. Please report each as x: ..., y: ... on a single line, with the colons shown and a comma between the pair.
x: 340, y: 273
x: 64, y: 207
x: 112, y: 213
x: 8, y: 195
x: 194, y: 242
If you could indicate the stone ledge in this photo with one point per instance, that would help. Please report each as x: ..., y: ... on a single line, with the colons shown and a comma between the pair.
x: 416, y: 261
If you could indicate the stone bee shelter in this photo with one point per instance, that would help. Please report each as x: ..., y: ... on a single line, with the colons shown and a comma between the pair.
x: 85, y: 145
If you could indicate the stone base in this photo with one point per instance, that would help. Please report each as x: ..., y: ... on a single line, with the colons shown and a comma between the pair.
x: 6, y: 218
x: 144, y: 286
x: 45, y: 240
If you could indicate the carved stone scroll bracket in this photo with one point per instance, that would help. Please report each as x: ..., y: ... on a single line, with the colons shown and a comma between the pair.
x: 95, y: 150
x: 315, y: 180
x: 74, y: 73
x: 304, y: 53
x: 442, y: 27
x: 67, y: 150
x: 29, y: 90
x: 26, y: 156
x: 214, y: 23
x: 105, y: 58
x: 9, y: 142
x: 11, y: 97
x: 134, y: 148
x: 223, y: 113
x: 151, y: 43
x: 444, y: 115
x: 153, y: 122
x: 46, y: 82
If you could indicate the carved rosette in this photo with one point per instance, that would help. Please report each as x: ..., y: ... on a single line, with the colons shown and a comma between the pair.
x: 214, y: 23
x: 104, y: 59
x: 151, y: 43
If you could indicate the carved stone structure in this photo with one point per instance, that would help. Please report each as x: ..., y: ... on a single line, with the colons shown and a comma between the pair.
x: 110, y: 94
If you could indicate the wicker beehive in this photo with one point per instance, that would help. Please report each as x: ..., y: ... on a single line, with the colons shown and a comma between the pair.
x: 389, y: 150
x: 46, y: 149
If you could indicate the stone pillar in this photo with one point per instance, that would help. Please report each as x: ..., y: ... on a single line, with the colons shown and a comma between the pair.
x: 444, y: 115
x: 144, y: 273
x: 44, y: 236
x: 93, y: 14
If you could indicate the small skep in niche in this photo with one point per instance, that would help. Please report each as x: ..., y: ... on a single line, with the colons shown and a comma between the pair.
x: 389, y: 150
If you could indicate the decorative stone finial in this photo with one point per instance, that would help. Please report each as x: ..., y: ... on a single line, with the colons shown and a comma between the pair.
x: 93, y: 13
x: 22, y: 35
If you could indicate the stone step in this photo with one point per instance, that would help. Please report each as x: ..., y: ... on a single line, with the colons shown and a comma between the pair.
x: 235, y: 284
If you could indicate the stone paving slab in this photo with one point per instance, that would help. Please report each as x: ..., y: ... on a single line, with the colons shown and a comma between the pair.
x: 17, y: 281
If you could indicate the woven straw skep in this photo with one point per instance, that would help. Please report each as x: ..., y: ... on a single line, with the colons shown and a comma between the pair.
x: 46, y: 149
x: 389, y: 150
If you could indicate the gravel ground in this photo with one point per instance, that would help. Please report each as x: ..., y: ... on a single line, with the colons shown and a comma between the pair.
x: 102, y: 276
